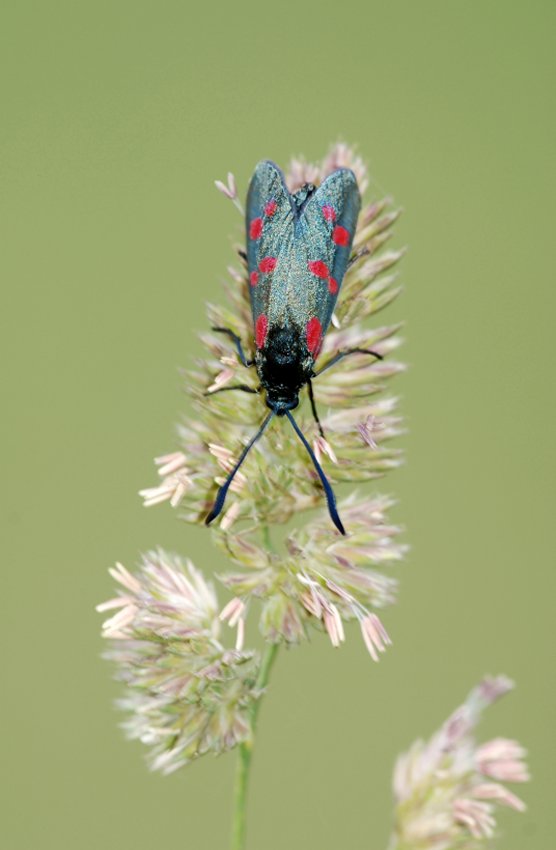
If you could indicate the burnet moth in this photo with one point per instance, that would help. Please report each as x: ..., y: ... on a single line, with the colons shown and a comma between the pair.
x: 298, y: 251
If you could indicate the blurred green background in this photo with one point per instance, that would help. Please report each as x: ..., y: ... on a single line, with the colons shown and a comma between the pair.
x: 116, y: 118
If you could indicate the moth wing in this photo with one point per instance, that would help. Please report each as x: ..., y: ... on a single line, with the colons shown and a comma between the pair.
x: 327, y: 225
x: 269, y: 224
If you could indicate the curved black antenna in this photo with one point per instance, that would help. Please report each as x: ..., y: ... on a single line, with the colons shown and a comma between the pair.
x: 221, y: 495
x: 330, y: 497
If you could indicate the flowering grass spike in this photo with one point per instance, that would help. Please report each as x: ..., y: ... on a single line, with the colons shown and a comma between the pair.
x: 446, y: 790
x: 186, y: 693
x: 314, y: 257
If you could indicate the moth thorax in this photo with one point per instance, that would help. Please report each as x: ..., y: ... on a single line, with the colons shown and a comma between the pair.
x: 281, y: 368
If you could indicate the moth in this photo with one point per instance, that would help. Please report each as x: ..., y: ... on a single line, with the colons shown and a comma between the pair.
x: 299, y: 247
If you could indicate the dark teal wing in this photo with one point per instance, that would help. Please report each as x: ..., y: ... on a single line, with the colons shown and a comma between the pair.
x: 270, y: 233
x: 326, y: 227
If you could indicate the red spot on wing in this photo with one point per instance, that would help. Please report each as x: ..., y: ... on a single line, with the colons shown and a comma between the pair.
x: 254, y: 278
x: 314, y: 336
x: 256, y: 228
x: 270, y: 207
x: 261, y: 330
x: 267, y: 265
x: 340, y: 235
x: 333, y: 285
x: 329, y: 213
x: 318, y: 268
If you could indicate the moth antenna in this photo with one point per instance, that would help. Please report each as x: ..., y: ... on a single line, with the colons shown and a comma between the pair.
x: 330, y: 497
x: 221, y: 495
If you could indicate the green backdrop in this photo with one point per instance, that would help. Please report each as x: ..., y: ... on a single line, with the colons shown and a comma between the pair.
x: 116, y: 118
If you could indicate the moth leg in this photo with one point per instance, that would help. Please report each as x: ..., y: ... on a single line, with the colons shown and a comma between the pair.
x: 243, y: 387
x: 241, y: 253
x: 342, y: 354
x: 362, y: 253
x: 314, y: 409
x: 235, y: 339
